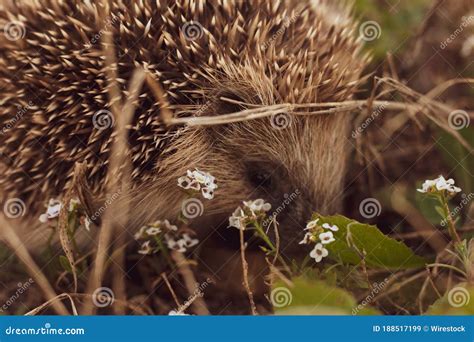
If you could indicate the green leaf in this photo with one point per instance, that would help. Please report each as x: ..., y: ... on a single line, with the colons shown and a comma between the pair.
x: 65, y: 263
x: 380, y: 250
x: 306, y: 297
x: 457, y: 301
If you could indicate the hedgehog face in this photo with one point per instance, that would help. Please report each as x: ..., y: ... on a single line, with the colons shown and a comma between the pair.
x: 298, y: 169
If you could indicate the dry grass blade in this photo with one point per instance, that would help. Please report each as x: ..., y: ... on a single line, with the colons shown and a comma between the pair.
x: 8, y: 233
x: 50, y: 302
x: 198, y: 303
x: 118, y: 160
x: 245, y: 273
x: 63, y: 224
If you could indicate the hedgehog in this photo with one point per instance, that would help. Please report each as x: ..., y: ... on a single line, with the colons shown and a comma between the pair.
x: 212, y: 58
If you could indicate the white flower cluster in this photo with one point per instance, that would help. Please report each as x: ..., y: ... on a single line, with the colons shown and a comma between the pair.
x: 315, y: 232
x: 152, y: 234
x: 52, y: 211
x: 199, y: 181
x: 251, y: 211
x: 439, y: 184
x: 54, y: 208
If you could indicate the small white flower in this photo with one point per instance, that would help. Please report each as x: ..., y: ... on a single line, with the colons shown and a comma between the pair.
x: 439, y: 184
x: 306, y: 239
x: 207, y: 193
x: 311, y: 224
x: 141, y: 233
x: 54, y: 207
x: 319, y: 252
x: 145, y: 248
x: 177, y: 245
x: 188, y: 241
x: 153, y: 231
x: 326, y: 238
x: 199, y: 181
x: 236, y: 219
x: 185, y: 182
x: 166, y: 224
x: 426, y: 186
x: 334, y: 228
x: 258, y: 205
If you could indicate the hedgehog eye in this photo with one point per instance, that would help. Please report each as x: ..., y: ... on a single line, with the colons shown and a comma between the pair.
x: 260, y: 179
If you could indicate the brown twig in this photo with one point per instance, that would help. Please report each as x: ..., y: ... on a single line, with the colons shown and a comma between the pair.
x: 190, y: 282
x: 245, y: 271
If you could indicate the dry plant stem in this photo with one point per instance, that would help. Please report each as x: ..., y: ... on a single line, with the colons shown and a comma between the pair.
x: 112, y: 219
x: 35, y: 311
x: 396, y: 287
x: 451, y: 226
x: 63, y: 224
x: 245, y: 273
x: 8, y: 233
x: 50, y: 302
x: 160, y: 95
x: 118, y: 279
x: 199, y: 305
x: 433, y: 237
x: 173, y: 294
